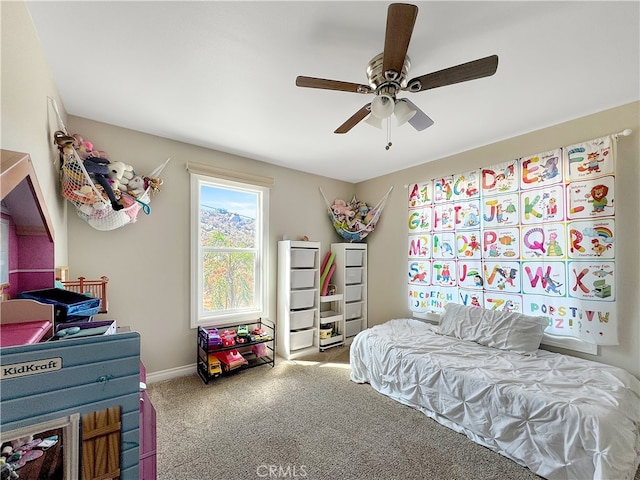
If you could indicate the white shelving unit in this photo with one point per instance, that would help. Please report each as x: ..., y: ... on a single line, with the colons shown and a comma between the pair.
x: 350, y: 278
x: 331, y: 331
x: 298, y: 307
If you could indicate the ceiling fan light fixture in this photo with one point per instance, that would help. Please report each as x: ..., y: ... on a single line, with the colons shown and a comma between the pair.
x: 403, y: 112
x: 374, y: 121
x: 382, y: 106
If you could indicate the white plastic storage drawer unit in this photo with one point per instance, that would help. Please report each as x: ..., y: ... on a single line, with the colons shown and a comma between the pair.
x: 303, y: 258
x: 301, y: 338
x: 301, y: 319
x: 352, y: 310
x: 353, y: 258
x: 303, y: 279
x: 352, y: 328
x: 298, y: 298
x: 302, y: 299
x: 353, y: 276
x: 353, y: 293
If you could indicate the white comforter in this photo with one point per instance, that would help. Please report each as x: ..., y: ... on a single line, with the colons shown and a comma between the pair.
x: 560, y: 416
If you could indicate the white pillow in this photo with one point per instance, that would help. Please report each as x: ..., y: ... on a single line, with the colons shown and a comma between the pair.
x: 509, y: 331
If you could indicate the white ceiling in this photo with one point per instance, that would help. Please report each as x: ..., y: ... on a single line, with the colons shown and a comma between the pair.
x: 222, y: 74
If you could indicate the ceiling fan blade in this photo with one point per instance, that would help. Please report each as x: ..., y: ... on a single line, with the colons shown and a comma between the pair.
x: 420, y: 120
x: 355, y: 119
x: 483, y: 67
x: 311, y: 82
x: 401, y: 18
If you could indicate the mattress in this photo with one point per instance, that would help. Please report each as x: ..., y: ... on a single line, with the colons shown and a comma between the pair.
x: 560, y: 416
x: 12, y: 334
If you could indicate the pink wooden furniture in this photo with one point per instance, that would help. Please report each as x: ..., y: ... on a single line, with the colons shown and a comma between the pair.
x: 23, y: 322
x: 148, y: 467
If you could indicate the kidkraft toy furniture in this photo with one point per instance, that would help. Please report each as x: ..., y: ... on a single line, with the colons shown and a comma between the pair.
x: 24, y: 322
x: 480, y: 373
x: 90, y: 389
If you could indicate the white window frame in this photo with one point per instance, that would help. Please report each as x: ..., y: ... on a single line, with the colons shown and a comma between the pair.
x: 199, y: 317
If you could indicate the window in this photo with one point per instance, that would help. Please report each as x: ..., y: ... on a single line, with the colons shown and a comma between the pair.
x: 229, y: 239
x: 4, y: 252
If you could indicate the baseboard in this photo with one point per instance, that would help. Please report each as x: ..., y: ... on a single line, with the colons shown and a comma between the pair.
x: 171, y: 373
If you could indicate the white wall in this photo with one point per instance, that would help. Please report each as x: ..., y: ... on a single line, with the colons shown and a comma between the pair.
x: 148, y: 262
x: 388, y: 244
x: 26, y: 115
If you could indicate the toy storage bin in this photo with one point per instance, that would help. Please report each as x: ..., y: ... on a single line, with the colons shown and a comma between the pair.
x: 88, y: 329
x: 301, y: 319
x: 303, y: 279
x: 68, y: 306
x: 352, y: 310
x: 301, y: 338
x: 303, y: 258
x: 302, y: 299
x: 93, y: 288
x: 330, y: 340
x: 329, y: 316
x: 353, y: 327
x: 353, y: 293
x: 353, y: 258
x: 353, y: 276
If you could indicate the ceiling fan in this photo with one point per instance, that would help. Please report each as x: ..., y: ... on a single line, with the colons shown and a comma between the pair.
x: 387, y: 74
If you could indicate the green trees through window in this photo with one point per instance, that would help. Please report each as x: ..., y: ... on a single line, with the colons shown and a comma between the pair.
x: 230, y: 250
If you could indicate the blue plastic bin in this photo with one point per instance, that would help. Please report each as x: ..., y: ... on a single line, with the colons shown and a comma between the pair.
x: 68, y: 306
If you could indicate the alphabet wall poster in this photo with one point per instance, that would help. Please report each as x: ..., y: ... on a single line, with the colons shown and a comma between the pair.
x: 534, y: 235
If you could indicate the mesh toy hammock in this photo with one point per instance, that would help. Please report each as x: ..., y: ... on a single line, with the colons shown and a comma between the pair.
x: 360, y: 219
x: 91, y: 201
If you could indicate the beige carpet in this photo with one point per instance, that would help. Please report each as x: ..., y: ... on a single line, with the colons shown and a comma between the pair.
x: 307, y: 420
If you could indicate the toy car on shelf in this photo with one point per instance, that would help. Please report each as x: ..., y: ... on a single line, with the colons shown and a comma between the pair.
x: 258, y: 331
x: 230, y: 359
x: 215, y: 370
x: 242, y: 331
x: 259, y: 335
x: 228, y: 338
x: 213, y: 337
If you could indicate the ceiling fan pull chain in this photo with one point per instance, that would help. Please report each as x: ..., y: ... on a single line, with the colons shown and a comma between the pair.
x: 388, y: 146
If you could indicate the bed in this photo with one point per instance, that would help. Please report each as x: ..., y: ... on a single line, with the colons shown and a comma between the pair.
x: 24, y: 322
x: 561, y: 416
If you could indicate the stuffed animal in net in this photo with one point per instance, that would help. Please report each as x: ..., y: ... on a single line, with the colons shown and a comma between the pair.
x: 90, y: 200
x: 135, y: 186
x: 153, y: 184
x: 96, y: 164
x: 86, y: 149
x: 120, y: 174
x: 65, y: 143
x: 342, y: 210
x: 98, y: 170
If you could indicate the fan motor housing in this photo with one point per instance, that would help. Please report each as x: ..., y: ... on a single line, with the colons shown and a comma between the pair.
x: 378, y: 80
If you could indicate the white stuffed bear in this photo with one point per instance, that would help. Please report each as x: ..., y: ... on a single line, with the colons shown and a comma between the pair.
x: 120, y: 173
